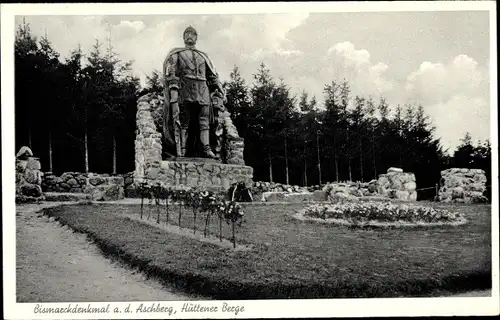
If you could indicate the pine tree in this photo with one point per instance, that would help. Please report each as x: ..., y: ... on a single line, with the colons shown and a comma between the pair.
x: 262, y: 96
x: 26, y: 73
x: 51, y: 94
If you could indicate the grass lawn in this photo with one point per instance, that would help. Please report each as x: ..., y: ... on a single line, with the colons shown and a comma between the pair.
x: 294, y: 259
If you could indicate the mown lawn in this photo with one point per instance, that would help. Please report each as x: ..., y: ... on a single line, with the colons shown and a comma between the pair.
x: 294, y: 259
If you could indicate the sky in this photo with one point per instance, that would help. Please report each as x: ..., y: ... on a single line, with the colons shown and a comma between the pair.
x: 439, y: 59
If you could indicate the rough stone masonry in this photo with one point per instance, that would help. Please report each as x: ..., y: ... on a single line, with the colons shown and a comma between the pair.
x: 463, y: 185
x: 397, y: 184
x: 28, y: 176
x: 148, y: 153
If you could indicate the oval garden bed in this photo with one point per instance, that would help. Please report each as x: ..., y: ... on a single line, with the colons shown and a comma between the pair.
x: 379, y: 214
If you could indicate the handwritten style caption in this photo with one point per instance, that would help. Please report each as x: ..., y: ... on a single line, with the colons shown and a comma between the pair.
x: 156, y: 307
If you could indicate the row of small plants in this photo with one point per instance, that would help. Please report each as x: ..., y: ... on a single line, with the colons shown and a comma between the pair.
x: 202, y: 204
x: 356, y: 212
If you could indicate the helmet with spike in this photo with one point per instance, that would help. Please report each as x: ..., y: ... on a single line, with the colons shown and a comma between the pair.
x: 190, y: 29
x: 190, y: 36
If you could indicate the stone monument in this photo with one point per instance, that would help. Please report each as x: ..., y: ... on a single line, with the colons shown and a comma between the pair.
x: 462, y: 185
x: 185, y: 136
x: 28, y: 177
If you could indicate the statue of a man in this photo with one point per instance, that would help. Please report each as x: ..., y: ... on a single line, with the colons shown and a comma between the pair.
x: 191, y: 83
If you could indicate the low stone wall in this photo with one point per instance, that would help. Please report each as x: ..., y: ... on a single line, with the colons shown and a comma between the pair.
x: 98, y: 186
x: 28, y: 176
x: 349, y: 190
x: 264, y: 186
x: 396, y: 184
x: 463, y: 186
x: 72, y: 182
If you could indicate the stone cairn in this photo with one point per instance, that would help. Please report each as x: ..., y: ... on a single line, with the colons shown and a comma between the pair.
x: 28, y: 177
x: 397, y: 184
x: 463, y: 186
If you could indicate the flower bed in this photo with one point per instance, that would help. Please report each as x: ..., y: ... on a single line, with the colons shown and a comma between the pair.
x: 379, y: 214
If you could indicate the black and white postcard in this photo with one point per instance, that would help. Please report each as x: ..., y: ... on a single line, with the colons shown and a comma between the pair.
x: 249, y: 160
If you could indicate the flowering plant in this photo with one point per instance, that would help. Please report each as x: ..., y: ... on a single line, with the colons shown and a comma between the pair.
x: 213, y: 204
x: 356, y: 212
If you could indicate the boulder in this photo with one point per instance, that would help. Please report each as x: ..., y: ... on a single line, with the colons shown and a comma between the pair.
x: 457, y: 192
x: 24, y: 153
x: 64, y: 186
x: 31, y: 190
x: 413, y: 196
x: 33, y: 177
x: 320, y: 195
x: 272, y: 196
x: 21, y: 165
x: 299, y: 197
x: 96, y: 180
x: 338, y: 197
x: 112, y: 193
x: 410, y: 186
x: 33, y: 164
x: 402, y: 195
x: 393, y: 169
x: 72, y: 182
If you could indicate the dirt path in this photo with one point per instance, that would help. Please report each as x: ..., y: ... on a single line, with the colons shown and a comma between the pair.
x: 55, y: 265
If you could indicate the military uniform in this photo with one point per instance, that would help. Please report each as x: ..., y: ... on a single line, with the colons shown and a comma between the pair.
x: 187, y: 72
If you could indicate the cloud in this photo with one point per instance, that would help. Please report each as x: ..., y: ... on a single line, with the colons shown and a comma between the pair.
x: 268, y: 34
x: 352, y: 57
x: 458, y: 115
x: 355, y: 65
x: 455, y: 95
x: 438, y: 82
x: 299, y: 48
x: 127, y: 29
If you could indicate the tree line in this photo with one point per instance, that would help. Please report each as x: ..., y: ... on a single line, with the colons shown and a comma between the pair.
x: 79, y: 115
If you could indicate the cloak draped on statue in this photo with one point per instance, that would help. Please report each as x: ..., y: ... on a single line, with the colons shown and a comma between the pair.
x: 169, y: 142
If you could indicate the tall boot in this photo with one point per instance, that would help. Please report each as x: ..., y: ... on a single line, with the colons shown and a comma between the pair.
x: 204, y: 138
x: 184, y: 138
x: 177, y: 137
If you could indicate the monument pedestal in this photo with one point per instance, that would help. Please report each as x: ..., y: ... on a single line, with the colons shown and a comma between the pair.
x: 207, y: 174
x: 204, y: 173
